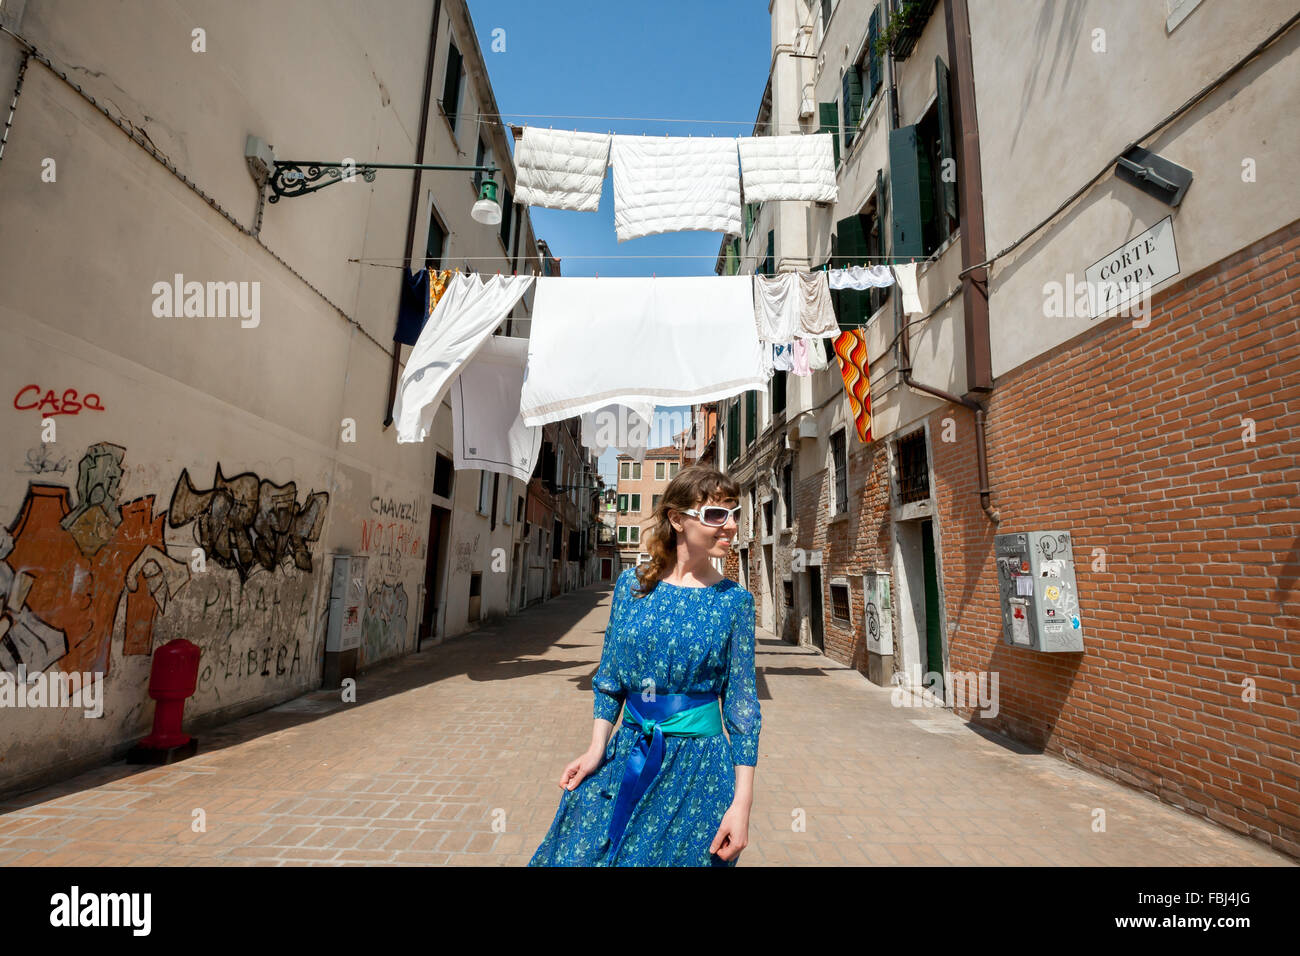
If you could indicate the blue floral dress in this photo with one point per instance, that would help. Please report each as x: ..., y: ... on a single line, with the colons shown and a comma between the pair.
x: 685, y: 640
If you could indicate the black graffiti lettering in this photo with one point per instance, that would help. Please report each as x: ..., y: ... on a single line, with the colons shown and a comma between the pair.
x: 297, y: 657
x: 266, y: 659
x: 247, y: 522
x: 279, y: 660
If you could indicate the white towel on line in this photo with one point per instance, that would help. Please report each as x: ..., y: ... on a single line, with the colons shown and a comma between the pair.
x: 489, y: 433
x: 675, y: 183
x: 799, y: 166
x: 625, y: 428
x: 460, y: 323
x: 816, y: 354
x: 906, y: 275
x: 671, y: 341
x: 559, y: 169
x: 861, y: 278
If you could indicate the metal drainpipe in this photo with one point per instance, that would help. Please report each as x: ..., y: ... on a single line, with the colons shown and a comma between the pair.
x: 972, y: 217
x: 415, y: 196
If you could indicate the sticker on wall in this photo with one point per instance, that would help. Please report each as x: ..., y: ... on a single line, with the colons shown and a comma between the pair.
x: 1053, y: 568
x: 1024, y: 585
x: 1019, y: 626
x: 1074, y: 622
x: 1053, y: 593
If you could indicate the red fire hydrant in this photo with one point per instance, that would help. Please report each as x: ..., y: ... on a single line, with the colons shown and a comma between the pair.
x: 173, y: 679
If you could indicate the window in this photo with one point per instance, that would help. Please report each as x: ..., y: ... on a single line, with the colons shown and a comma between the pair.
x: 557, y: 540
x: 787, y: 494
x: 625, y: 469
x: 851, y: 93
x: 484, y: 491
x: 769, y: 262
x: 622, y: 534
x: 733, y: 431
x: 436, y: 242
x: 840, y: 465
x: 788, y: 587
x: 642, y: 558
x: 778, y: 390
x: 442, y: 472
x: 751, y: 516
x: 752, y: 210
x: 507, y: 215
x: 913, y: 469
x: 519, y: 511
x: 635, y: 533
x: 636, y: 471
x: 451, y: 85
x: 826, y: 14
x: 659, y: 470
x: 923, y: 177
x: 862, y: 81
x: 510, y: 488
x: 767, y: 517
x: 622, y: 502
x: 857, y: 241
x: 672, y: 469
x: 751, y: 417
x: 828, y: 115
x: 484, y: 158
x: 655, y: 501
x: 636, y: 503
x: 496, y: 482
x: 840, y: 602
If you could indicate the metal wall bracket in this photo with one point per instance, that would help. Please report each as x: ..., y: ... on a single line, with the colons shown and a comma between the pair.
x: 1154, y: 175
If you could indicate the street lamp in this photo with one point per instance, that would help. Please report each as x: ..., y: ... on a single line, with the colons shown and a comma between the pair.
x: 298, y: 177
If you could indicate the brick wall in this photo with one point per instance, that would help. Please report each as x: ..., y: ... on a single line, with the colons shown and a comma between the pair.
x: 1132, y: 439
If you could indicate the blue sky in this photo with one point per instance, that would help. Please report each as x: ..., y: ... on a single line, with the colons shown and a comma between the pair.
x: 704, y: 61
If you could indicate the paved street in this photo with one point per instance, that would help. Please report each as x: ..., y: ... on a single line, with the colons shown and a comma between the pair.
x: 443, y: 743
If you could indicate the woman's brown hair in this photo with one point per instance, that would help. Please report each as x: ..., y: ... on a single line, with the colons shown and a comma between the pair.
x: 691, y: 488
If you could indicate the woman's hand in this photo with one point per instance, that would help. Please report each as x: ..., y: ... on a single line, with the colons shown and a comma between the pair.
x: 578, y: 770
x: 733, y: 833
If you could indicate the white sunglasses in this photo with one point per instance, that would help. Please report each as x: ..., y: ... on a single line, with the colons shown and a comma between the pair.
x: 715, y: 516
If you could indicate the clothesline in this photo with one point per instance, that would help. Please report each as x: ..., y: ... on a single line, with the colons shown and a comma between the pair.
x: 488, y: 118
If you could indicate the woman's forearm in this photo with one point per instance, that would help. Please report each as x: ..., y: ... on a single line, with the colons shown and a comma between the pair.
x: 600, y: 732
x: 744, y: 786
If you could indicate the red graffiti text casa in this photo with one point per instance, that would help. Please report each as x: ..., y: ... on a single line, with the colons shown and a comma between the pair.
x: 29, y: 397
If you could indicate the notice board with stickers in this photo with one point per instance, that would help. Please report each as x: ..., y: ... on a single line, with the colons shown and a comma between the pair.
x: 1037, y: 591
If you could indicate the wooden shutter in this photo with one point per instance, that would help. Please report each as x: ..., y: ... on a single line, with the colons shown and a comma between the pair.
x: 451, y: 86
x: 829, y: 116
x: 947, y: 145
x: 507, y: 212
x: 873, y: 58
x: 751, y: 416
x: 905, y: 192
x: 851, y: 242
x: 733, y: 432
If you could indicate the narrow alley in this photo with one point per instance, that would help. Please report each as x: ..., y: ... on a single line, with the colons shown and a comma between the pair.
x: 452, y: 756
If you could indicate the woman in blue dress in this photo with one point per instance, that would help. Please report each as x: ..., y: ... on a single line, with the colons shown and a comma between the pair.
x: 668, y: 789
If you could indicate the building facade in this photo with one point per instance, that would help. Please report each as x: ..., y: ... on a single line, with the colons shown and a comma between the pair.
x: 1151, y: 437
x: 640, y: 486
x: 201, y: 375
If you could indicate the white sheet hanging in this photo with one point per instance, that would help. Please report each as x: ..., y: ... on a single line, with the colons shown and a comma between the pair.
x: 816, y: 311
x: 559, y: 169
x: 861, y: 278
x: 906, y: 275
x: 675, y: 183
x: 624, y: 428
x: 799, y: 166
x: 816, y: 354
x: 671, y: 341
x: 488, y: 431
x: 462, y: 320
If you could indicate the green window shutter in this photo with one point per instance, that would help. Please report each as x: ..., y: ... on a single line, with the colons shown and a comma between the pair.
x: 507, y: 213
x: 947, y: 146
x: 829, y: 117
x: 826, y: 13
x: 873, y: 58
x: 451, y: 85
x: 851, y: 242
x: 852, y: 91
x: 733, y: 432
x: 905, y: 192
x: 751, y: 415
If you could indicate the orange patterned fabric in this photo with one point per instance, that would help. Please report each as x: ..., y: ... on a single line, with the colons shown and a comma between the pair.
x: 437, y: 286
x: 851, y: 350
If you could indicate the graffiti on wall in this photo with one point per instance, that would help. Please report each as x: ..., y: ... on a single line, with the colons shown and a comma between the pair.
x: 42, y: 460
x: 66, y: 562
x: 258, y: 627
x: 245, y: 522
x: 386, y: 620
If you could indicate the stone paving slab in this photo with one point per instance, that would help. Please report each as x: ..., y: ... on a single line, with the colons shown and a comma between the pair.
x: 452, y: 757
